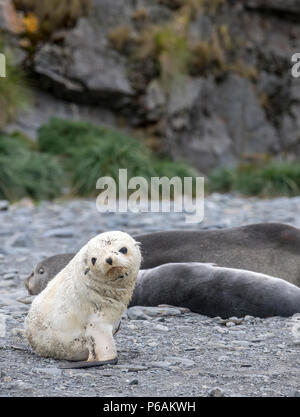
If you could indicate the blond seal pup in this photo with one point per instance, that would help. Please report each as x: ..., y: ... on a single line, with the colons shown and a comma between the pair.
x: 76, y: 315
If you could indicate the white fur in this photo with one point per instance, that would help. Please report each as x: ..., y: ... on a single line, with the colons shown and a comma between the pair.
x: 75, y: 316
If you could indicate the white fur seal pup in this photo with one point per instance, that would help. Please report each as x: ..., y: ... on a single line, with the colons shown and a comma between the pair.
x: 76, y: 315
x: 268, y: 248
x: 214, y: 291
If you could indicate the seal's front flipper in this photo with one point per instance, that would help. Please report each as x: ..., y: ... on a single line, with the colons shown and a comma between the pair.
x: 89, y: 364
x: 100, y: 342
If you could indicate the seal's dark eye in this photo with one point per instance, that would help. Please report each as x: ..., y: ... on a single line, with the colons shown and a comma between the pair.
x: 41, y: 270
x: 94, y: 260
x: 123, y: 250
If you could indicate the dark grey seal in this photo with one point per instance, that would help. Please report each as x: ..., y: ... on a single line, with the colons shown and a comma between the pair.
x: 216, y: 291
x: 268, y: 248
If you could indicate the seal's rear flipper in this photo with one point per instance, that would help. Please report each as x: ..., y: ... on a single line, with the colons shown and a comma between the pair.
x: 88, y: 364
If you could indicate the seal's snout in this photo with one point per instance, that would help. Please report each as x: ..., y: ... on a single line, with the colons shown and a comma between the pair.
x: 109, y: 260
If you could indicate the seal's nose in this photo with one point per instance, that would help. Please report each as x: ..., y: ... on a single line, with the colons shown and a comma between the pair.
x: 109, y: 261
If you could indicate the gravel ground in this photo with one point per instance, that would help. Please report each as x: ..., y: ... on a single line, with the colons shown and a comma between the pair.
x: 163, y: 351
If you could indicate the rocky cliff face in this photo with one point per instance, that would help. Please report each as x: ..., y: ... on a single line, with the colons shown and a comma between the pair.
x: 207, y: 118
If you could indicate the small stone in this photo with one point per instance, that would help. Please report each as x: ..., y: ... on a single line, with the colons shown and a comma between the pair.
x: 20, y: 240
x: 132, y: 327
x: 243, y: 343
x: 135, y: 313
x: 230, y: 324
x: 220, y: 330
x: 216, y: 392
x: 152, y: 344
x: 176, y: 360
x: 181, y: 309
x: 160, y: 319
x: 22, y: 385
x: 131, y: 368
x: 59, y: 233
x: 18, y: 332
x: 49, y: 371
x: 9, y: 276
x: 134, y: 382
x: 4, y: 205
x: 7, y: 379
x: 162, y: 328
x: 159, y: 311
x: 249, y: 318
x: 233, y: 320
x: 161, y: 364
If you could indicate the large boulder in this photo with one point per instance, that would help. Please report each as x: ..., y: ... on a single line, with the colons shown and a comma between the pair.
x: 212, y: 124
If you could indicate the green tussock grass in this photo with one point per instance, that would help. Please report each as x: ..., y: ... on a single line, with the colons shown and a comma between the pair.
x: 88, y: 152
x: 25, y: 172
x: 271, y: 180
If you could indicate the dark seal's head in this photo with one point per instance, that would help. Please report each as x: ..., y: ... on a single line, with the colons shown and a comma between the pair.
x: 45, y: 271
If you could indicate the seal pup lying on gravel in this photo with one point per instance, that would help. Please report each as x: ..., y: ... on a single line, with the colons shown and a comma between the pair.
x: 215, y: 291
x: 268, y: 248
x: 76, y: 315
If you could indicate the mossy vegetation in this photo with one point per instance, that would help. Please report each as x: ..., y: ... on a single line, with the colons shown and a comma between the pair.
x: 140, y: 15
x: 26, y: 172
x: 88, y: 152
x: 175, y: 54
x: 14, y: 93
x: 76, y: 154
x: 168, y: 47
x: 120, y: 37
x: 270, y: 180
x: 41, y: 18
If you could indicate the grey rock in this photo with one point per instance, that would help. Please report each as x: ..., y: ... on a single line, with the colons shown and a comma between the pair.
x: 216, y: 392
x: 204, y: 141
x: 20, y: 240
x: 132, y: 368
x: 162, y: 328
x: 161, y: 364
x: 134, y: 382
x: 55, y: 372
x: 60, y: 233
x: 230, y: 324
x: 244, y: 117
x: 134, y: 313
x: 4, y: 205
x: 9, y: 276
x: 174, y: 360
x: 18, y: 332
x: 160, y: 311
x: 155, y: 101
